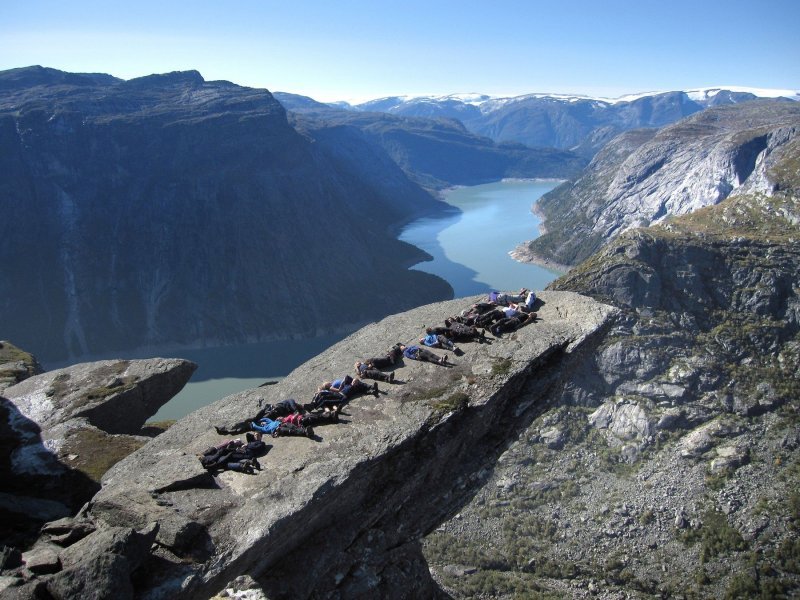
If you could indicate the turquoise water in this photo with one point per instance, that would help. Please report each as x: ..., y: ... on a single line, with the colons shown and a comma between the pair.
x: 470, y: 249
x: 225, y: 371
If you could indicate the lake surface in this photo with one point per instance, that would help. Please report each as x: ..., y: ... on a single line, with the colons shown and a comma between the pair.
x: 225, y: 371
x: 470, y: 250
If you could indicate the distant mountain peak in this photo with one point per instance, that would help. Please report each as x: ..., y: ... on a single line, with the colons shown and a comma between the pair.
x: 175, y: 77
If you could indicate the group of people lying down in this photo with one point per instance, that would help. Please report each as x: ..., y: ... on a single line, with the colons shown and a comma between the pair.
x: 499, y: 313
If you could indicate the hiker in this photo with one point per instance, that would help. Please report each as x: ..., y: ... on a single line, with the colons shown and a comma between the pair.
x: 391, y: 356
x: 425, y: 355
x: 505, y: 299
x: 349, y: 387
x: 433, y: 340
x: 530, y: 300
x: 509, y: 324
x: 364, y: 370
x: 470, y: 315
x: 272, y: 412
x: 277, y: 427
x: 339, y: 391
x: 501, y: 312
x: 458, y: 332
x: 325, y: 398
x: 234, y: 455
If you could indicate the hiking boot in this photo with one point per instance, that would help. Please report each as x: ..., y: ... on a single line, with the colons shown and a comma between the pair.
x: 443, y: 360
x: 391, y: 377
x: 375, y: 389
x: 310, y: 432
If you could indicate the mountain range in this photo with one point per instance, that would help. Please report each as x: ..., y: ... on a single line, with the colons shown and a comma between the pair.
x: 646, y: 176
x: 168, y: 210
x: 638, y: 439
x: 568, y: 122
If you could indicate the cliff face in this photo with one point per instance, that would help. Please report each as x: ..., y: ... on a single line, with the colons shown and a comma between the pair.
x: 667, y: 465
x: 170, y: 210
x: 643, y: 177
x: 342, y: 514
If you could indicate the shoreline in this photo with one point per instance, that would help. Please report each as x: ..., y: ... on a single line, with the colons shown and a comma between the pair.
x: 524, y: 255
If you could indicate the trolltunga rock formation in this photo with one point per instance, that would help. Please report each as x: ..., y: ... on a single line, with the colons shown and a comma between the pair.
x: 341, y: 515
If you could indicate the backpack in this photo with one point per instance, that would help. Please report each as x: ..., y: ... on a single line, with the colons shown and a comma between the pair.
x: 431, y: 340
x: 411, y: 352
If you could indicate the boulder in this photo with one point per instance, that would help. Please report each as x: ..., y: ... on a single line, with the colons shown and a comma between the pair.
x: 729, y: 458
x: 63, y: 429
x: 623, y: 420
x: 116, y: 396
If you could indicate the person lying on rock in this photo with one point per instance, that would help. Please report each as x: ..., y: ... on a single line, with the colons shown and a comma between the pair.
x: 340, y: 391
x: 457, y: 331
x: 349, y: 387
x: 289, y: 425
x: 388, y: 360
x: 501, y: 312
x: 507, y: 298
x: 433, y: 340
x: 234, y: 455
x: 281, y: 409
x: 509, y: 324
x: 425, y: 355
x: 365, y: 371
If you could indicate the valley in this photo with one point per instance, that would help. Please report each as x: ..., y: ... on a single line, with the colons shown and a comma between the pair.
x: 638, y: 440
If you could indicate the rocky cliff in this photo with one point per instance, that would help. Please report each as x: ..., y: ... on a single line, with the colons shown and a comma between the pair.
x: 341, y: 515
x: 667, y: 466
x: 61, y: 430
x: 646, y: 176
x: 171, y: 210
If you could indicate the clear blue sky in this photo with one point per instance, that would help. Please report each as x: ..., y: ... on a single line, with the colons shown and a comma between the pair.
x: 349, y: 49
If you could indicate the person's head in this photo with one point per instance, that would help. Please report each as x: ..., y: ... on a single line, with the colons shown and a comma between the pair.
x: 428, y: 330
x: 447, y: 322
x: 358, y: 364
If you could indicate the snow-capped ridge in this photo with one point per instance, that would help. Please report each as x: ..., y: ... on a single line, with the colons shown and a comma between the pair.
x: 488, y: 103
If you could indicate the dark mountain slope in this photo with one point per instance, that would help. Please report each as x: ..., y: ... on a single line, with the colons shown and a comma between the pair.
x: 170, y: 210
x: 438, y: 152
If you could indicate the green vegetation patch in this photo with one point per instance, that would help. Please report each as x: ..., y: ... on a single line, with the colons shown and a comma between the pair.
x: 453, y: 402
x: 428, y: 394
x: 10, y: 353
x: 96, y: 451
x: 715, y: 535
x: 501, y: 366
x: 118, y: 386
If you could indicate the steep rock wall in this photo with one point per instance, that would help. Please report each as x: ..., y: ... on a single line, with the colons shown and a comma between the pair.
x: 642, y: 178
